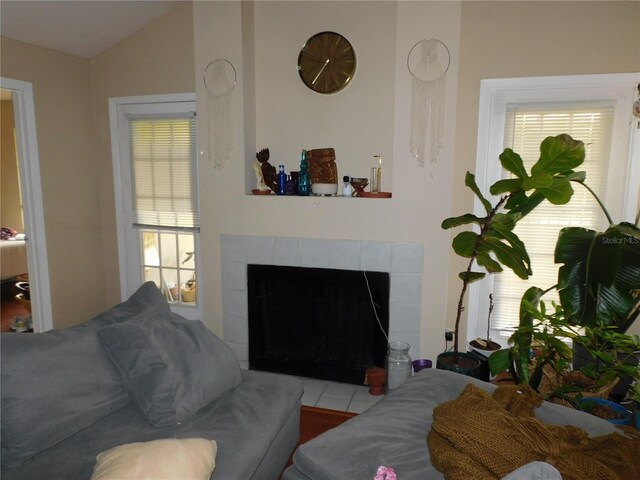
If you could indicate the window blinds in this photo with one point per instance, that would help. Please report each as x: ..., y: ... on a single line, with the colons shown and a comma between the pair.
x: 525, y: 128
x: 164, y: 172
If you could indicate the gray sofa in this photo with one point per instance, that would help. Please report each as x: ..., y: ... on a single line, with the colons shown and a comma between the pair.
x: 393, y: 433
x: 136, y: 373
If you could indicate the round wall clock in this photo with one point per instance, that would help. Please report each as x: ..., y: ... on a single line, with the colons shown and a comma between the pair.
x: 327, y: 62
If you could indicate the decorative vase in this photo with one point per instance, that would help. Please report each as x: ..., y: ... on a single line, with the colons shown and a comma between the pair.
x: 460, y: 362
x: 398, y: 364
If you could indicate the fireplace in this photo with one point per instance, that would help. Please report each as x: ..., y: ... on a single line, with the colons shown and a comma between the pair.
x: 317, y: 322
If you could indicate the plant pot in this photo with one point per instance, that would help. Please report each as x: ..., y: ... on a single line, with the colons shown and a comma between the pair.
x: 375, y: 378
x: 463, y: 363
x: 484, y: 350
x: 605, y: 409
x: 581, y: 358
x: 421, y: 364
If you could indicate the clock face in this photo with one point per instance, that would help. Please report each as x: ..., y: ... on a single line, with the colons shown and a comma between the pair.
x: 327, y: 62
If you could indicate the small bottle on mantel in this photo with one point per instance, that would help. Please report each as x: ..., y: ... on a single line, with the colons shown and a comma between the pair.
x: 347, y: 189
x: 282, y: 180
x: 304, y: 184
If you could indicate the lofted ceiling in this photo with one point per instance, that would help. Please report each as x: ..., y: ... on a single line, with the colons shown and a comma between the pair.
x: 80, y: 28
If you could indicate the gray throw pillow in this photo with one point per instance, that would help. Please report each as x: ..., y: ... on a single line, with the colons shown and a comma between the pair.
x: 171, y: 367
x: 147, y: 299
x: 56, y: 383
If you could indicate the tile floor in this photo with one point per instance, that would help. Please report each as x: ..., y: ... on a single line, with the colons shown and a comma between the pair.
x: 343, y: 397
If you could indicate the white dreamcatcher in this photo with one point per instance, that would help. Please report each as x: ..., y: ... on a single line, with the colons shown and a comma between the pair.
x: 219, y: 80
x: 428, y: 62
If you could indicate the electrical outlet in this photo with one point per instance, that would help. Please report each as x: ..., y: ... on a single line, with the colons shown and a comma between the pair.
x: 448, y: 335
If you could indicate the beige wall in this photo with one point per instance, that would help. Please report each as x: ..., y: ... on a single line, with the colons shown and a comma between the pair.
x: 520, y: 39
x: 486, y: 40
x: 421, y: 196
x: 156, y: 60
x: 70, y: 97
x: 62, y: 92
x: 10, y: 203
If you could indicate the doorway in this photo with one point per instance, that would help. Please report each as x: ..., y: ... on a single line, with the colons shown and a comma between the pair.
x: 31, y: 194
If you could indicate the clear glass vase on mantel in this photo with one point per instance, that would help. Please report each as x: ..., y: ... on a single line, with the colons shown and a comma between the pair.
x: 398, y: 364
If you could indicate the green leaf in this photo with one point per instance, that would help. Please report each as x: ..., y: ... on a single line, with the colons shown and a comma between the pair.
x: 464, y: 243
x: 509, y: 257
x: 578, y: 177
x: 559, y: 154
x: 559, y: 192
x: 465, y: 219
x: 514, y: 241
x: 598, y: 275
x: 499, y: 361
x: 520, y: 203
x: 472, y: 276
x: 489, y: 263
x: 513, y: 163
x: 508, y: 185
x: 544, y: 180
x: 506, y: 220
x: 470, y: 181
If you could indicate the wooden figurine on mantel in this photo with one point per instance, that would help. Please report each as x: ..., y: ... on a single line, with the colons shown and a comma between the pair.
x: 322, y: 165
x: 266, y: 177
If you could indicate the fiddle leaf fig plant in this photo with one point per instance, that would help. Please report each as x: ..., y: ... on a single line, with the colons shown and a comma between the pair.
x: 493, y: 245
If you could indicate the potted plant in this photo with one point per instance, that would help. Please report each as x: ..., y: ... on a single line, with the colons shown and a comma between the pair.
x: 494, y: 245
x: 606, y: 409
x: 598, y: 287
x: 485, y: 346
x: 634, y: 395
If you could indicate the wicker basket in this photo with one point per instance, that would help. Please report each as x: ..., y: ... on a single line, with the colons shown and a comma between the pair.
x: 188, y: 292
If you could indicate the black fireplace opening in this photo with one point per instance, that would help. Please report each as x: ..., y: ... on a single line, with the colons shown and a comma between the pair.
x: 317, y: 322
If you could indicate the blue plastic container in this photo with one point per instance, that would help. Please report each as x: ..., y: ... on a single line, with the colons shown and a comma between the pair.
x: 586, y: 402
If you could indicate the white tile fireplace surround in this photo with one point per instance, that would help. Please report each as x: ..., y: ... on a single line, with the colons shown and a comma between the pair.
x: 403, y: 261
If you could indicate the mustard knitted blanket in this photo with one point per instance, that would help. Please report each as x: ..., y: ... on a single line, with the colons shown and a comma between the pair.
x: 487, y: 437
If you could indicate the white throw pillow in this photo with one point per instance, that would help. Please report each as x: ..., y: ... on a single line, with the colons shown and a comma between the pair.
x: 166, y: 459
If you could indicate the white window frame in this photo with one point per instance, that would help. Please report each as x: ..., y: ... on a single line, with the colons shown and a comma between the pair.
x: 623, y: 183
x: 129, y: 259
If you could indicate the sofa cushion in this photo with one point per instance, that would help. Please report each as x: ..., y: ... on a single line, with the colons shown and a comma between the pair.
x: 164, y: 459
x: 171, y: 366
x: 59, y: 382
x: 393, y: 431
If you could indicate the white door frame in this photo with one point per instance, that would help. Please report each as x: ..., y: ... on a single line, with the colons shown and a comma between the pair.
x: 31, y: 189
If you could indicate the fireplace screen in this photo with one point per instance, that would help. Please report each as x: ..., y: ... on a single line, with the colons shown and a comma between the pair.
x: 317, y: 322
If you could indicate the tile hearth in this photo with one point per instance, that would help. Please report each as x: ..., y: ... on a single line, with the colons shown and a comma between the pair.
x: 343, y: 397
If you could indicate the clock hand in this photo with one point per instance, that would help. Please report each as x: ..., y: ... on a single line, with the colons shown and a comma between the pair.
x: 321, y: 70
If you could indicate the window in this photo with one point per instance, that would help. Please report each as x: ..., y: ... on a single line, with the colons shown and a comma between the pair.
x: 520, y: 113
x: 155, y: 165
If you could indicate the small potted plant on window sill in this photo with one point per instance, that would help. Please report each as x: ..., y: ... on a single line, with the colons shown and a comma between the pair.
x: 494, y: 245
x: 486, y: 346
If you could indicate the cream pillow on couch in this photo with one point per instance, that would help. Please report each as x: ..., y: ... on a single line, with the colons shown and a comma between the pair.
x: 166, y: 459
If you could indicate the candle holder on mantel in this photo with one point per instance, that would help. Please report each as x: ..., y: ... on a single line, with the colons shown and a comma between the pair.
x: 359, y: 184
